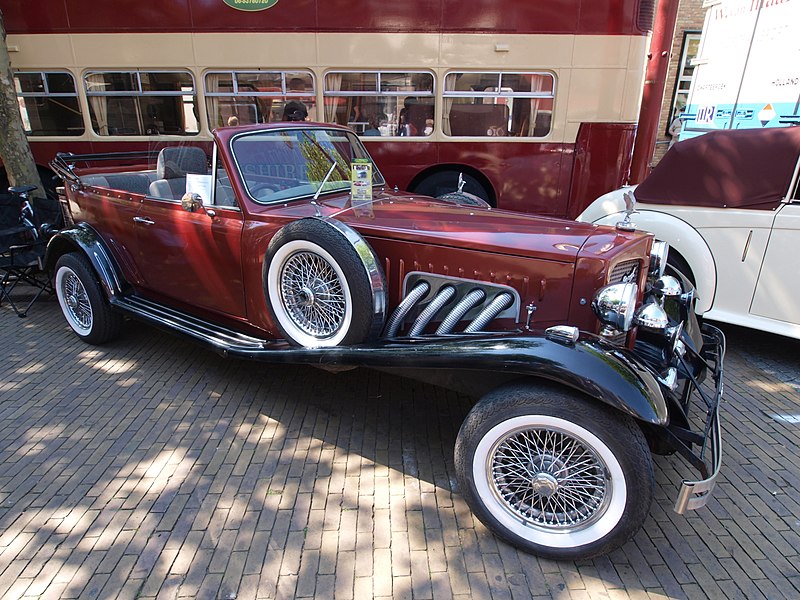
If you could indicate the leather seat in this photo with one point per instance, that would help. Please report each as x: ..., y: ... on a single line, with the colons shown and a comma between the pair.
x: 172, y: 167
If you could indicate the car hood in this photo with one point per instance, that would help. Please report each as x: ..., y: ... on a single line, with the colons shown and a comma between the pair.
x: 428, y: 221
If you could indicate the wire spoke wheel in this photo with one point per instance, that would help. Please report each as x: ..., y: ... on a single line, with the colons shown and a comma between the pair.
x: 77, y: 300
x: 82, y: 300
x: 312, y: 294
x: 549, y: 479
x: 323, y: 284
x: 553, y: 472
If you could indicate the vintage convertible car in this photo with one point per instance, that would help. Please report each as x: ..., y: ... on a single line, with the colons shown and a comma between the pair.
x: 290, y: 249
x: 728, y: 204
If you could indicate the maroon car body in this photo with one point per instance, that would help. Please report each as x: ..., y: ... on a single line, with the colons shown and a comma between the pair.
x: 585, y: 349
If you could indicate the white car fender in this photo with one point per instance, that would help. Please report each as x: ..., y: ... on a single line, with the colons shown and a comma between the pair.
x: 687, y: 241
x: 681, y: 236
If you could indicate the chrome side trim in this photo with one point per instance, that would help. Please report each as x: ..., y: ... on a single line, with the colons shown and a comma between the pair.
x: 463, y: 287
x: 466, y: 304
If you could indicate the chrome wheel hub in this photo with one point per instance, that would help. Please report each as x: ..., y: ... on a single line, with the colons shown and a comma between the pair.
x: 544, y: 485
x: 312, y: 294
x: 549, y: 479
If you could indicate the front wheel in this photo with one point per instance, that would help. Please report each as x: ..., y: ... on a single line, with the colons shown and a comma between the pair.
x: 554, y: 473
x: 82, y: 301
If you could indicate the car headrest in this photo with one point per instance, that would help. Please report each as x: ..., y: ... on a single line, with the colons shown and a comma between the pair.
x: 179, y: 160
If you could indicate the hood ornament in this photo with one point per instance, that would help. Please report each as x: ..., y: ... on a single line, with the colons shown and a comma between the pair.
x: 630, y: 209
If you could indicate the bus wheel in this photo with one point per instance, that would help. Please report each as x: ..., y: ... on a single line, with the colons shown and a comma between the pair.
x: 554, y: 473
x: 318, y: 286
x: 446, y: 182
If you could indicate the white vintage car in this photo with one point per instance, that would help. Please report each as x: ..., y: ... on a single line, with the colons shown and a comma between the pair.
x: 728, y: 204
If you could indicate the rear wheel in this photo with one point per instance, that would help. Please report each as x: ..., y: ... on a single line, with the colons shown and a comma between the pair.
x: 554, y: 473
x: 83, y: 302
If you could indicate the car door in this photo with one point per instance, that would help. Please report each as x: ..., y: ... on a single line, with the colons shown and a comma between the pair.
x: 193, y: 257
x: 112, y: 215
x: 777, y: 294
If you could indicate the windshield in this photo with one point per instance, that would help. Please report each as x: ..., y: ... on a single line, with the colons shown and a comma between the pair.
x: 281, y: 165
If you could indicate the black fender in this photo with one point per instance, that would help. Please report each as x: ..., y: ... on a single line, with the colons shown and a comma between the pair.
x: 83, y: 238
x: 592, y: 366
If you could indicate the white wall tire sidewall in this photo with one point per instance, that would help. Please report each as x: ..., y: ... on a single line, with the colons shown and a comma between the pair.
x: 562, y: 540
x: 62, y: 272
x: 276, y: 298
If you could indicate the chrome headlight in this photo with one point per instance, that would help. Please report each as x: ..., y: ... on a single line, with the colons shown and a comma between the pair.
x: 615, y: 304
x: 668, y: 286
x: 658, y: 259
x: 651, y: 316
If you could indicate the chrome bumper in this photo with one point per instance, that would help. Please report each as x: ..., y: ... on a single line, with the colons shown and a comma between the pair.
x: 695, y: 494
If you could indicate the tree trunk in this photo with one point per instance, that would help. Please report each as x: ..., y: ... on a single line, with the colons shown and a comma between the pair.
x: 14, y: 148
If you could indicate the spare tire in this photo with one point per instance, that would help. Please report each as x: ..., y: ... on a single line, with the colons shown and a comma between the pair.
x: 323, y: 285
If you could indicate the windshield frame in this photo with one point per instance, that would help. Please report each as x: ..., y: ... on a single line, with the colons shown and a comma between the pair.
x: 310, y: 190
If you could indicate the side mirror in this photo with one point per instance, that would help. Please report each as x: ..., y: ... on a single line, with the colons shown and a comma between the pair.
x: 192, y: 202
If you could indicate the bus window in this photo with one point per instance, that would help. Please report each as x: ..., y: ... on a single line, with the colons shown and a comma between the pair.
x: 48, y: 103
x: 142, y: 103
x: 256, y: 96
x: 498, y: 104
x: 381, y: 103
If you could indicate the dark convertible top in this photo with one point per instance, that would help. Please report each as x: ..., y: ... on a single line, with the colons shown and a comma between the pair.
x: 749, y: 168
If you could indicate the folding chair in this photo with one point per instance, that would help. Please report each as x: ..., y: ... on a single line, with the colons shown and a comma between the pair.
x: 22, y: 247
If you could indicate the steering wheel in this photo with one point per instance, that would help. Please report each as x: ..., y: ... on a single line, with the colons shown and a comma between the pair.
x: 261, y: 190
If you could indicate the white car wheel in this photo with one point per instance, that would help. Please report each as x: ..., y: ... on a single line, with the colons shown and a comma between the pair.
x: 82, y: 301
x: 554, y: 473
x: 549, y: 481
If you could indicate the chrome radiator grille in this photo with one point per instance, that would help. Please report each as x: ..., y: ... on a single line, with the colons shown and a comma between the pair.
x: 625, y: 272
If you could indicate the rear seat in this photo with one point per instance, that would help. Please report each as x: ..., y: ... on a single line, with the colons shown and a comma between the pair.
x: 134, y: 182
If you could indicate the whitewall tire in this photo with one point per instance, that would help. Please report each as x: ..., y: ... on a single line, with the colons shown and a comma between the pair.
x: 83, y: 302
x: 554, y: 473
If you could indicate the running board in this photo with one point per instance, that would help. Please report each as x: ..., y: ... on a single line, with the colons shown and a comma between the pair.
x: 223, y: 339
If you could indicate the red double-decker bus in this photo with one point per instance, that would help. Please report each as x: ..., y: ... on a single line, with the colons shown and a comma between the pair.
x: 535, y: 103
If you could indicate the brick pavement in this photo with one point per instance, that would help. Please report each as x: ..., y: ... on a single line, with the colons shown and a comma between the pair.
x: 152, y: 468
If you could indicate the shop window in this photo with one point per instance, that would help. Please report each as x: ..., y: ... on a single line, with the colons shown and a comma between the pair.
x: 683, y: 79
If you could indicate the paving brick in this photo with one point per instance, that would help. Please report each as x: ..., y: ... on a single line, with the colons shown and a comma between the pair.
x: 152, y: 468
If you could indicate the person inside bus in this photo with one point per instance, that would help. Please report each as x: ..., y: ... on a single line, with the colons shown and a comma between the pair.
x: 405, y: 126
x: 233, y: 121
x: 298, y: 85
x: 373, y: 124
x: 295, y: 111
